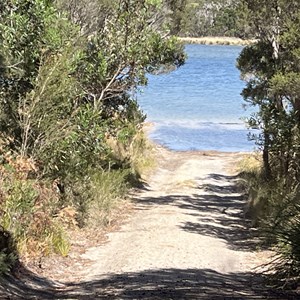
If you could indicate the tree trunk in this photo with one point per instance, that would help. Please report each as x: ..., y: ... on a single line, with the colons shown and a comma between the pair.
x: 266, y: 157
x: 297, y: 109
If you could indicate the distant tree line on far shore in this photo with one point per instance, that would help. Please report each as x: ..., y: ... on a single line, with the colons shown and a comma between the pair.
x: 195, y: 18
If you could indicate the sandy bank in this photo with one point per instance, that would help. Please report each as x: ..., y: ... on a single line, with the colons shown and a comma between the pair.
x: 220, y: 40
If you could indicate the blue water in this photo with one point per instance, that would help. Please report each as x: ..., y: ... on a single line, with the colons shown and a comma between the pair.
x: 198, y: 106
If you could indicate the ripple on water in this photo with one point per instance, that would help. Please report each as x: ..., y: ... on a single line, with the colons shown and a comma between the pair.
x: 198, y: 106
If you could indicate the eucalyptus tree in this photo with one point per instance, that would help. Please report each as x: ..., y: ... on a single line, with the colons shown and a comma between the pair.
x: 59, y: 68
x: 272, y: 66
x: 273, y: 62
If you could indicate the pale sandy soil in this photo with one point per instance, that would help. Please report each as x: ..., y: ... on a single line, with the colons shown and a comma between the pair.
x: 219, y: 40
x: 187, y: 238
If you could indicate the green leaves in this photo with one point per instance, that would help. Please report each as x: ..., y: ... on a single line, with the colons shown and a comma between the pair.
x: 22, y: 25
x: 60, y: 72
x: 272, y: 66
x: 154, y: 2
x: 67, y: 108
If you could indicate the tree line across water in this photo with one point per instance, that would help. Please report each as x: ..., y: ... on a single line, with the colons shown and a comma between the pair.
x: 71, y: 140
x: 196, y: 18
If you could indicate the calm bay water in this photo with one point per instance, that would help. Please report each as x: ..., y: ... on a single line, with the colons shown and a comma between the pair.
x: 198, y: 106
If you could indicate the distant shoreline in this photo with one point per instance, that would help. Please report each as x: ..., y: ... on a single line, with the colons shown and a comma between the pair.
x: 216, y: 40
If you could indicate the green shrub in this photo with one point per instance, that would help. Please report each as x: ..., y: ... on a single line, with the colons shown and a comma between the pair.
x: 107, y: 188
x: 8, y: 253
x: 28, y: 211
x: 287, y: 263
x: 67, y: 91
x: 274, y: 207
x: 7, y: 262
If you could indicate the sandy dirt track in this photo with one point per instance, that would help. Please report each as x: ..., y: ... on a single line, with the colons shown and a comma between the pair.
x: 186, y: 239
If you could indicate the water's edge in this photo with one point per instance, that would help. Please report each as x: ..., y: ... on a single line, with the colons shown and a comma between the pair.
x: 199, y: 106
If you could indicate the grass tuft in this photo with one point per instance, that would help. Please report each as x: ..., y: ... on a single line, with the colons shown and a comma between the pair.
x: 274, y: 207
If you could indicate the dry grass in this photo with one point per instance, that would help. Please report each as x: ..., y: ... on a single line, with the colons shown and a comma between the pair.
x: 251, y: 163
x: 140, y: 152
x: 250, y: 168
x: 142, y: 155
x: 219, y: 40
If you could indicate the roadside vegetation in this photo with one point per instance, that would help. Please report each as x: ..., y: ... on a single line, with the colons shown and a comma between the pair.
x: 271, y: 67
x: 71, y: 141
x: 71, y: 138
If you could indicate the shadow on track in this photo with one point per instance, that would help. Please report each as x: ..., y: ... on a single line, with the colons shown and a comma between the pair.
x: 152, y: 284
x: 173, y: 283
x: 219, y: 208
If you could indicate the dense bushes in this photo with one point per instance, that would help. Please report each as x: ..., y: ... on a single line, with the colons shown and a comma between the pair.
x: 272, y: 68
x: 274, y: 208
x: 67, y: 103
